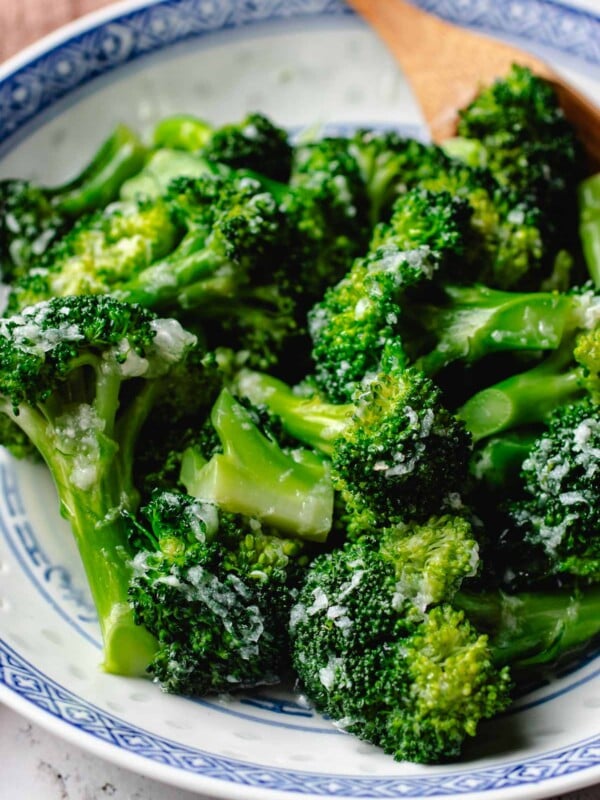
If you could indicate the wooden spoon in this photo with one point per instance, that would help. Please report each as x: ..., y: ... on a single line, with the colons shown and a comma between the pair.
x: 446, y: 65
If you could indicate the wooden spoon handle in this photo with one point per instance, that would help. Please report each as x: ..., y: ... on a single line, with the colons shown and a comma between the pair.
x: 446, y: 65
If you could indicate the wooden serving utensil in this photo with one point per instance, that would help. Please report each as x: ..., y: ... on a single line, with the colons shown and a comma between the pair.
x: 446, y: 65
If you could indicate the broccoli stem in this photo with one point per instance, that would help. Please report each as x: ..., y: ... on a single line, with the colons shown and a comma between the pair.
x: 522, y: 399
x: 118, y: 158
x: 311, y: 420
x: 255, y: 477
x: 589, y: 224
x: 498, y: 462
x: 532, y: 629
x: 479, y: 320
x: 92, y: 504
x: 193, y: 274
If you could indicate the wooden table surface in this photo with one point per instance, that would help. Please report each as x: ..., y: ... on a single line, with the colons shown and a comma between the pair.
x: 24, y: 21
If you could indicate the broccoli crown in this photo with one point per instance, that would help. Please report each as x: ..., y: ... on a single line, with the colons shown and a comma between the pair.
x: 254, y: 143
x: 100, y: 251
x: 403, y: 453
x: 396, y: 451
x: 63, y: 364
x: 44, y: 344
x: 390, y: 165
x: 561, y: 479
x: 422, y: 241
x: 29, y: 223
x: 415, y: 682
x: 528, y: 143
x: 215, y: 589
x: 328, y: 170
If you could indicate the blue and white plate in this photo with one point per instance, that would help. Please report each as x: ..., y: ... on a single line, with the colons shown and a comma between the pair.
x: 307, y: 63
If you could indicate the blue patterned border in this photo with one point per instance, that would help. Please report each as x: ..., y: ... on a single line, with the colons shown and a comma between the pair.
x: 24, y: 680
x: 32, y: 88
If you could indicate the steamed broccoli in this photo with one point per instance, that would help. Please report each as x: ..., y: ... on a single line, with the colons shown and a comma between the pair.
x: 215, y: 589
x: 520, y: 133
x: 468, y: 322
x: 63, y: 369
x: 395, y: 450
x: 560, y: 510
x: 246, y: 471
x: 423, y: 239
x: 253, y: 143
x: 33, y: 217
x: 570, y: 372
x: 379, y: 648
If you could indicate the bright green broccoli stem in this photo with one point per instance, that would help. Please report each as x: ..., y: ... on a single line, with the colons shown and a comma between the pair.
x: 255, y: 477
x: 469, y: 151
x: 193, y: 275
x: 92, y: 503
x: 311, y: 420
x: 164, y: 166
x: 534, y: 629
x: 497, y: 463
x: 120, y: 157
x: 182, y: 132
x: 525, y: 398
x: 589, y: 224
x: 478, y: 320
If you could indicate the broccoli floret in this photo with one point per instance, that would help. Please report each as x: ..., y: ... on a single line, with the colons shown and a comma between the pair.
x: 64, y: 366
x: 255, y: 476
x: 396, y: 450
x: 423, y: 240
x: 526, y: 141
x: 560, y: 512
x: 390, y: 165
x: 99, y: 252
x: 253, y: 143
x: 569, y: 373
x: 33, y: 217
x: 379, y: 648
x: 215, y: 589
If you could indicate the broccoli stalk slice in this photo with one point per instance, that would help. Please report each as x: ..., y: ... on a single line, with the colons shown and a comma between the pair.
x: 532, y: 629
x: 478, y: 320
x: 121, y: 156
x: 589, y: 224
x: 311, y: 420
x: 255, y: 477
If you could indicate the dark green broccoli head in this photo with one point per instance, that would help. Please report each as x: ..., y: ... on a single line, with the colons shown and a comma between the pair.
x: 328, y: 170
x: 527, y: 141
x: 254, y: 143
x: 433, y: 220
x: 561, y: 479
x: 41, y: 347
x: 349, y: 326
x: 415, y: 682
x: 215, y: 589
x: 390, y: 165
x: 403, y: 453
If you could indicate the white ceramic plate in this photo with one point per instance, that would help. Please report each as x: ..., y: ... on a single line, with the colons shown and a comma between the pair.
x: 305, y: 63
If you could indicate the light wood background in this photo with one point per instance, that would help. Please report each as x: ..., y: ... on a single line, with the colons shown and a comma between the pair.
x: 22, y: 22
